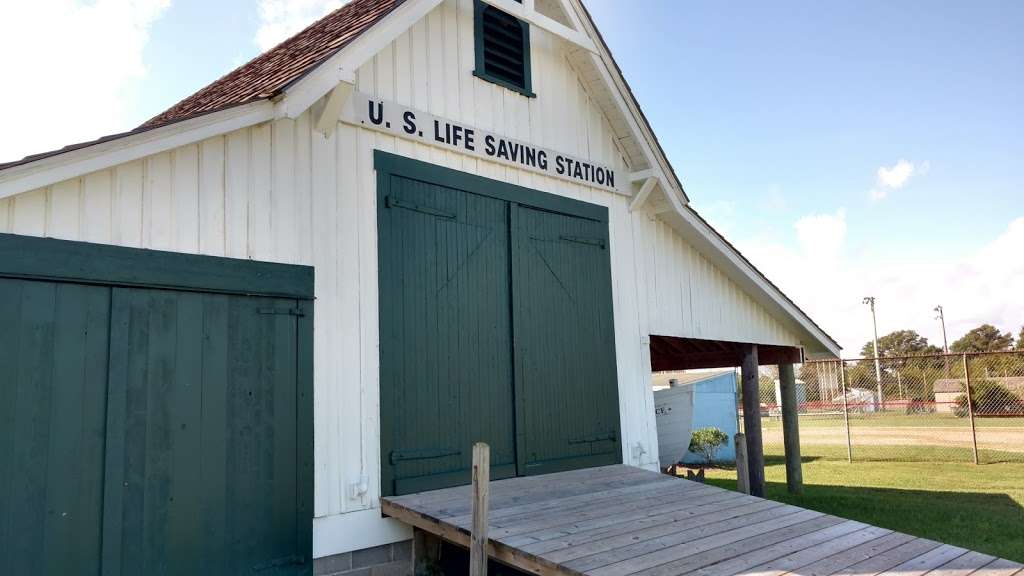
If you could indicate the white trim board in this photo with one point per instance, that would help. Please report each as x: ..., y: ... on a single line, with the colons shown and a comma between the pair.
x: 340, y: 533
x: 74, y: 163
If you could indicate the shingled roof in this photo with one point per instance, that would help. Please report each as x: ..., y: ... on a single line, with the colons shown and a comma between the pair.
x: 271, y: 72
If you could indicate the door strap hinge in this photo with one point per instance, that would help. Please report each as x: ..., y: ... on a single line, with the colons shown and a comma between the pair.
x: 285, y: 311
x: 404, y: 455
x: 392, y: 202
x: 609, y: 436
x: 581, y: 240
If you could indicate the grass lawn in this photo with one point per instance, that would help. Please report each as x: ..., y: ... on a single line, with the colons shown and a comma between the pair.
x: 977, y: 507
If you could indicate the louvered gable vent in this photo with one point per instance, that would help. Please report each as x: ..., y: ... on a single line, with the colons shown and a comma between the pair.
x: 502, y: 49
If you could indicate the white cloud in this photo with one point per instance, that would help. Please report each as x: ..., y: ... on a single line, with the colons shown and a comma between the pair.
x: 889, y: 178
x: 895, y: 176
x: 821, y: 236
x: 280, y: 19
x: 72, y: 68
x: 827, y: 274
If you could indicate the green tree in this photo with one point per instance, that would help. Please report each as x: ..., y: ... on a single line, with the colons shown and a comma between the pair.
x: 990, y: 399
x: 1020, y: 339
x: 900, y: 343
x: 984, y: 338
x: 706, y: 442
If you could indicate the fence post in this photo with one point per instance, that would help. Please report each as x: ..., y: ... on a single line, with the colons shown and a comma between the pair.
x: 481, y: 504
x: 970, y: 407
x: 846, y: 410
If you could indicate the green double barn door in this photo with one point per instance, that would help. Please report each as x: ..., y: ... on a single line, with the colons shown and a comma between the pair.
x: 495, y: 326
x: 148, y: 431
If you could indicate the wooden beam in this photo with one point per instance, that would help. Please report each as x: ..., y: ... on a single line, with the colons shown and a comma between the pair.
x: 641, y: 175
x: 539, y: 20
x: 426, y: 553
x: 326, y: 119
x: 481, y: 504
x: 752, y: 420
x: 790, y: 429
x: 641, y: 196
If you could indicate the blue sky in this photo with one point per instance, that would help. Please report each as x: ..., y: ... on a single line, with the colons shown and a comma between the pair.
x: 848, y: 148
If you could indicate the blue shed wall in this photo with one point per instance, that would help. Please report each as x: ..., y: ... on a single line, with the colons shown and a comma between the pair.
x: 714, y: 404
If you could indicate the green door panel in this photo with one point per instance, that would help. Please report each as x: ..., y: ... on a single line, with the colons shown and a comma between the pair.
x: 445, y: 334
x: 201, y: 436
x: 567, y: 411
x: 53, y: 378
x: 148, y: 426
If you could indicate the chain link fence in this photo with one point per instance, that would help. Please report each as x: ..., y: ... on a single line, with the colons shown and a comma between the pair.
x: 911, y: 408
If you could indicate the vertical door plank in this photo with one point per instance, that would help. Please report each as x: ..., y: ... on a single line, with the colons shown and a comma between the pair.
x: 213, y: 451
x: 34, y: 380
x: 184, y: 397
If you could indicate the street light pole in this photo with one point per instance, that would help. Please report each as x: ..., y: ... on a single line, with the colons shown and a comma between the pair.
x: 870, y: 301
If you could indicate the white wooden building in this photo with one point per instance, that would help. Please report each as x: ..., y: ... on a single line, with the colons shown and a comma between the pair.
x: 276, y: 162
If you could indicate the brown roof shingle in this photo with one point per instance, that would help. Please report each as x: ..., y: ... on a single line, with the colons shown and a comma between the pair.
x: 269, y: 73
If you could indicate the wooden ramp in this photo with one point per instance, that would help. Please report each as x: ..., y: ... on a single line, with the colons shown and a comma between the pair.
x: 620, y: 520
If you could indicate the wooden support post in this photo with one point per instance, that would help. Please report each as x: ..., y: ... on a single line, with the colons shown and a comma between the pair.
x: 970, y: 407
x: 742, y: 476
x: 791, y: 429
x: 481, y: 502
x: 752, y: 420
x: 426, y: 553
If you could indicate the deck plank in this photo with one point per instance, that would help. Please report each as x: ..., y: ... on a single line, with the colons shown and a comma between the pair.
x: 603, y: 537
x: 964, y: 565
x: 927, y: 562
x: 797, y: 551
x: 624, y: 521
x: 534, y: 511
x: 654, y: 551
x: 690, y: 562
x: 554, y: 516
x: 889, y: 559
x: 846, y: 558
x: 1002, y: 567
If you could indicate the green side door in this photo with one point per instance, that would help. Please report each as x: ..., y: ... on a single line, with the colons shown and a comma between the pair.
x: 445, y: 334
x: 567, y: 410
x: 201, y: 436
x: 148, y: 431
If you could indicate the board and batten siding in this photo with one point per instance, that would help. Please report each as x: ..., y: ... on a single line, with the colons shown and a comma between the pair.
x: 282, y: 192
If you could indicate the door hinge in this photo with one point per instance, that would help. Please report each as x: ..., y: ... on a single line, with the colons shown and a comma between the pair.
x: 297, y: 311
x: 278, y: 562
x: 608, y: 436
x: 599, y: 242
x: 392, y: 202
x: 402, y: 455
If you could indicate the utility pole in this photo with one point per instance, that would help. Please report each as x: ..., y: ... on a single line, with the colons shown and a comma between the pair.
x: 870, y: 301
x: 945, y: 347
x: 942, y: 318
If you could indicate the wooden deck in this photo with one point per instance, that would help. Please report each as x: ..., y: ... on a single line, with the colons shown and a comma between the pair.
x: 621, y: 520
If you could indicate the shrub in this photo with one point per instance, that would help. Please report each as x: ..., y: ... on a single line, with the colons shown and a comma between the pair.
x: 706, y: 442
